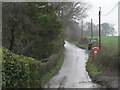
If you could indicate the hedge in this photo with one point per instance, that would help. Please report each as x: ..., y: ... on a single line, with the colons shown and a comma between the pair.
x: 25, y: 72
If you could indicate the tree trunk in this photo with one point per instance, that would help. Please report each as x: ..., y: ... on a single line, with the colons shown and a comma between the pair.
x: 12, y: 39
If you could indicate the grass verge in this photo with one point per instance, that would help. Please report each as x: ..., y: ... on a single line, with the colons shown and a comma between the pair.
x: 92, y: 69
x: 50, y: 74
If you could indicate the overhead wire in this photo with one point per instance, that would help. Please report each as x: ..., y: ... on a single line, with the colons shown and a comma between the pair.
x: 111, y: 9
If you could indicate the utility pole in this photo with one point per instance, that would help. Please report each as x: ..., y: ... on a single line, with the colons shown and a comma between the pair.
x: 82, y: 30
x: 100, y: 27
x: 91, y: 30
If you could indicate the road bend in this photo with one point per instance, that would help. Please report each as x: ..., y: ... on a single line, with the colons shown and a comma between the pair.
x: 73, y: 72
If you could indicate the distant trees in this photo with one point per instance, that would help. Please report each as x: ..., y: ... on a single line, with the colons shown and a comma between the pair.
x: 32, y: 29
x: 87, y: 29
x: 106, y: 29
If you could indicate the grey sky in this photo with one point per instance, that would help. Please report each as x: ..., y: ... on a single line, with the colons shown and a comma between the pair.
x: 106, y: 6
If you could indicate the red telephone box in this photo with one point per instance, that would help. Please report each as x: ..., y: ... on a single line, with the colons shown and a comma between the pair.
x: 94, y: 51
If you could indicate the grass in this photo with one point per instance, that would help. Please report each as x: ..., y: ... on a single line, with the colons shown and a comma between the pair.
x: 92, y: 69
x: 109, y: 52
x: 53, y: 71
x: 108, y: 40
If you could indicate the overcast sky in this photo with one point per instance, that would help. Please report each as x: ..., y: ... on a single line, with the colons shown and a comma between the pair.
x: 106, y: 6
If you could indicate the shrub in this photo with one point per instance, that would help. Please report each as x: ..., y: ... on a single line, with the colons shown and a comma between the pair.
x: 26, y: 72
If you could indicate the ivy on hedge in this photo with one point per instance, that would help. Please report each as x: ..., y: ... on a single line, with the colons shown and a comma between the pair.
x: 19, y: 71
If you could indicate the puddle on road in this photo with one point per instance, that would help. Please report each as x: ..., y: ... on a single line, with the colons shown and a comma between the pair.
x: 73, y: 72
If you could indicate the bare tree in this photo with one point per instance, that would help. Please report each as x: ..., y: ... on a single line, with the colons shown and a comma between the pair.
x: 71, y: 11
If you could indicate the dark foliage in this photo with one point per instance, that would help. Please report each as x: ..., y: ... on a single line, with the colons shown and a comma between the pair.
x: 32, y: 29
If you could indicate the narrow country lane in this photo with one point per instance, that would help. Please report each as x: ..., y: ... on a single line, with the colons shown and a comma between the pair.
x: 73, y: 72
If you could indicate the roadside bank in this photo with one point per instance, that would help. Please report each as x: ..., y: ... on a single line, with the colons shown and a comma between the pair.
x: 106, y: 77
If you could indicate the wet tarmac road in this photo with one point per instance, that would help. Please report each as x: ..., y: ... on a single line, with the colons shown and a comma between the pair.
x: 73, y: 72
